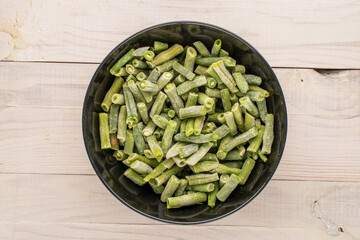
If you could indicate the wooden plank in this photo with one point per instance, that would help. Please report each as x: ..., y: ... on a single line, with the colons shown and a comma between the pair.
x: 83, y: 199
x: 64, y: 85
x: 78, y: 231
x: 315, y: 34
x: 41, y: 140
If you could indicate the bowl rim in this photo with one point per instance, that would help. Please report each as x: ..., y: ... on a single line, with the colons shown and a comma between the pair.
x: 282, y: 144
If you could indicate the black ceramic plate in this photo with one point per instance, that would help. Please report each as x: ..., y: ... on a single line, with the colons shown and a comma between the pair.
x: 142, y: 199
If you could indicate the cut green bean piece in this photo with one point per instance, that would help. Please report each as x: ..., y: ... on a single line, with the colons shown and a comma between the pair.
x: 149, y: 56
x: 180, y: 162
x: 148, y: 86
x: 206, y: 187
x: 241, y: 139
x: 148, y: 154
x: 156, y: 172
x: 118, y: 98
x: 233, y: 99
x: 131, y: 70
x: 166, y: 141
x: 170, y: 188
x: 239, y: 68
x: 134, y: 176
x: 139, y: 64
x: 155, y: 147
x: 255, y: 96
x: 238, y: 117
x: 138, y: 137
x: 223, y: 179
x: 200, y: 70
x: 210, y: 157
x: 202, y: 178
x: 246, y: 170
x: 175, y: 99
x: 240, y: 81
x: 234, y: 164
x: 122, y: 126
x: 174, y: 150
x: 142, y: 108
x: 157, y: 189
x: 129, y: 143
x: 104, y: 131
x: 166, y: 55
x: 140, y: 167
x: 113, y: 117
x: 179, y: 80
x: 190, y: 58
x: 221, y: 153
x: 268, y: 137
x: 230, y: 122
x: 135, y: 91
x: 192, y: 99
x: 167, y: 66
x: 132, y: 114
x: 162, y: 178
x: 262, y: 109
x: 252, y: 79
x: 149, y: 129
x: 158, y: 104
x: 181, y: 188
x: 202, y: 138
x: 228, y: 188
x: 160, y: 121
x: 234, y: 155
x: 259, y: 89
x: 188, y: 150
x: 186, y: 200
x: 212, y: 195
x: 205, y: 166
x: 198, y: 124
x: 203, y: 99
x: 223, y: 169
x: 216, y: 48
x: 211, y: 82
x: 193, y: 159
x: 139, y: 52
x: 249, y: 121
x: 262, y: 156
x: 225, y: 98
x: 214, y: 93
x: 223, y: 53
x: 256, y: 141
x: 154, y: 75
x: 209, y: 127
x: 222, y: 131
x: 189, y: 85
x: 224, y: 76
x: 160, y: 46
x: 115, y: 88
x: 189, y: 130
x: 191, y: 112
x: 221, y: 118
x: 249, y: 106
x: 207, y: 61
x: 121, y: 73
x: 201, y: 48
x: 171, y: 113
x: 134, y: 156
x: 164, y: 79
x: 122, y: 61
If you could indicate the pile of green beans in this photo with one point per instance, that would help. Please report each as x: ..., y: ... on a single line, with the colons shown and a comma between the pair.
x: 186, y: 120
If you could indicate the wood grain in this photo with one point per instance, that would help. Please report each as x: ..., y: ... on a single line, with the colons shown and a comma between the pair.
x: 83, y: 199
x: 44, y: 111
x: 78, y: 231
x: 314, y: 34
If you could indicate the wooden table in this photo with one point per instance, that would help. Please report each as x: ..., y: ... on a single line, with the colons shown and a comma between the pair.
x: 50, y: 49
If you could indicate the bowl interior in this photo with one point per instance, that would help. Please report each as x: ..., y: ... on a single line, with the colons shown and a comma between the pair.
x: 143, y: 199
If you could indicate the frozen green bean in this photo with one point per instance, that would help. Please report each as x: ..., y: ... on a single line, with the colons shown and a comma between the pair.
x: 188, y: 150
x: 189, y: 85
x: 104, y: 130
x: 175, y: 99
x: 262, y: 109
x: 224, y: 76
x: 166, y: 141
x: 160, y: 46
x: 180, y: 162
x: 202, y: 178
x: 166, y: 55
x: 167, y: 66
x: 223, y: 179
x: 129, y: 143
x: 206, y: 187
x: 162, y: 178
x: 223, y: 169
x: 190, y: 58
x: 240, y: 139
x: 158, y: 104
x: 132, y: 115
x: 155, y: 147
x: 214, y: 93
x: 230, y: 122
x: 259, y: 89
x: 228, y: 188
x: 239, y: 68
x: 140, y: 167
x: 113, y: 117
x: 223, y: 53
x: 134, y: 176
x: 256, y: 141
x: 225, y: 98
x: 201, y: 48
x: 154, y: 75
x: 249, y: 106
x: 148, y: 86
x: 186, y: 200
x: 205, y: 166
x: 252, y: 79
x: 181, y: 188
x: 268, y: 137
x: 157, y: 189
x: 189, y: 129
x: 138, y: 137
x: 255, y: 96
x: 149, y: 55
x: 118, y: 98
x: 198, y: 124
x: 202, y: 138
x: 142, y: 108
x: 163, y: 80
x: 203, y: 99
x: 191, y: 112
x: 249, y: 121
x: 207, y: 61
x: 216, y: 48
x: 233, y: 164
x: 203, y: 149
x: 248, y: 166
x: 170, y: 188
x: 160, y: 121
x: 240, y: 81
x: 174, y: 150
x: 115, y: 88
x: 122, y: 61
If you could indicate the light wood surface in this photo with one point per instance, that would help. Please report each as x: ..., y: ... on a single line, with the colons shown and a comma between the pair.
x: 313, y: 34
x: 49, y: 51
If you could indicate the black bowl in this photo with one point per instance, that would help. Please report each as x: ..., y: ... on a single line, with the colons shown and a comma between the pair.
x: 142, y: 199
